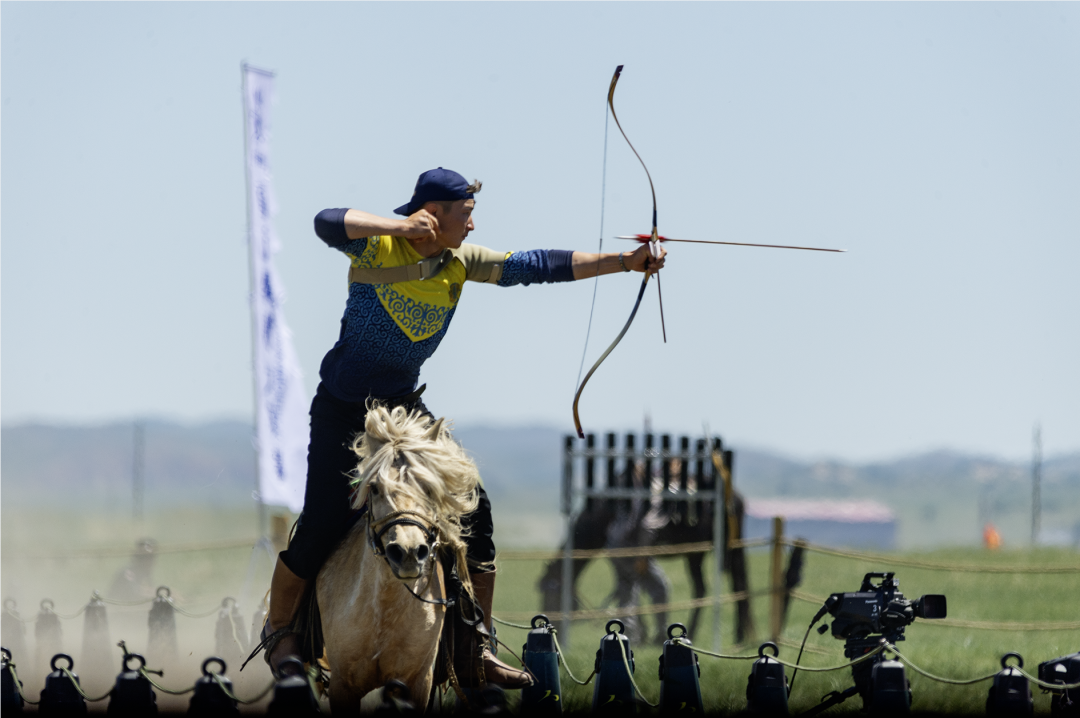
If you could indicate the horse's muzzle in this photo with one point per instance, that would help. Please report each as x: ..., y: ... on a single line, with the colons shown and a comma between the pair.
x: 407, y: 563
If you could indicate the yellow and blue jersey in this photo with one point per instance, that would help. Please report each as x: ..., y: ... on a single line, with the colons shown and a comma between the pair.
x: 389, y: 330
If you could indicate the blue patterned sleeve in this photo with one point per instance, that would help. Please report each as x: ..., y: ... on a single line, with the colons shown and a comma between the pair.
x: 354, y: 247
x: 537, y: 265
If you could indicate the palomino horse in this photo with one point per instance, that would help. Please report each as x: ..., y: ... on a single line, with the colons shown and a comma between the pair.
x: 382, y: 593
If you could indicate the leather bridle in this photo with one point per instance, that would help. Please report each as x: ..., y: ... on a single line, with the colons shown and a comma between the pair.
x: 376, y: 529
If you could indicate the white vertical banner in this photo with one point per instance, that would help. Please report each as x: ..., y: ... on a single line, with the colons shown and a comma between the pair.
x: 281, y: 406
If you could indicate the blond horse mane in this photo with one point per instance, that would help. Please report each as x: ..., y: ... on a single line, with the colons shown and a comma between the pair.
x: 407, y: 455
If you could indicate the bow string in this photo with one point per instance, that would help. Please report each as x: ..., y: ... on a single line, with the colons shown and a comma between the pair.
x: 654, y: 251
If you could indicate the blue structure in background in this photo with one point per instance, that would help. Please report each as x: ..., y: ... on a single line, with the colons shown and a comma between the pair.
x: 829, y: 522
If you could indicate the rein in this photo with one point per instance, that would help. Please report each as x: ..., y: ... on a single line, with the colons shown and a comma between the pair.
x: 377, y: 529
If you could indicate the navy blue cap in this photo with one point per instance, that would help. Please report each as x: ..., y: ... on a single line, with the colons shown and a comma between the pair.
x: 437, y: 185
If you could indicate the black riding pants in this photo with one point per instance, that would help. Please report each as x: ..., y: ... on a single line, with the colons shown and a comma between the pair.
x: 327, y: 513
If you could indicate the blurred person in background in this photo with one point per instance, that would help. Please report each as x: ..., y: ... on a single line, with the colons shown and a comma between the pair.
x: 134, y: 582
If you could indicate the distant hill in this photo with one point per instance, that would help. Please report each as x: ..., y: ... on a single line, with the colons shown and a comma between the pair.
x: 213, y: 462
x: 93, y: 465
x: 940, y: 497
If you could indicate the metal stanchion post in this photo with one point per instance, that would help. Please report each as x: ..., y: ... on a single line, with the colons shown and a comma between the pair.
x: 97, y: 650
x: 161, y: 644
x: 48, y: 633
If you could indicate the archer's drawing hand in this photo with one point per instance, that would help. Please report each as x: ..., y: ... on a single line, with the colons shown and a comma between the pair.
x: 641, y: 260
x: 420, y: 225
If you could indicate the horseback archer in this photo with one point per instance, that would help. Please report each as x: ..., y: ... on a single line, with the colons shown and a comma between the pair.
x: 405, y: 281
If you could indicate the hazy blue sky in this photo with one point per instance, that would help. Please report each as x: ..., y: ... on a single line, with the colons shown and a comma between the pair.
x: 936, y: 142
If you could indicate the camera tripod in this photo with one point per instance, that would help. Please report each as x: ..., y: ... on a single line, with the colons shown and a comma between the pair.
x: 892, y: 690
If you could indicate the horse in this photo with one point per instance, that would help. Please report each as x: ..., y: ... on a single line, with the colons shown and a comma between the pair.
x: 635, y: 525
x: 382, y: 594
x: 618, y: 524
x: 693, y: 523
x: 665, y: 523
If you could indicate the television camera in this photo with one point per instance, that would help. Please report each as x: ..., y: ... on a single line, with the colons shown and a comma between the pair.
x: 880, y: 609
x: 863, y: 619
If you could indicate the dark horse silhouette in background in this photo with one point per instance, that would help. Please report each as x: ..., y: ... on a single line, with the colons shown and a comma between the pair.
x: 621, y: 523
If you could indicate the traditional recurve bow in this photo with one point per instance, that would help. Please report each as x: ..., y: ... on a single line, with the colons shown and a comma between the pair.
x: 654, y: 239
x: 654, y: 251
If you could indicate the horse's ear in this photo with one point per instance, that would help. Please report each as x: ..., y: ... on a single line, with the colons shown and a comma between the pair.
x: 435, y: 430
x: 370, y: 445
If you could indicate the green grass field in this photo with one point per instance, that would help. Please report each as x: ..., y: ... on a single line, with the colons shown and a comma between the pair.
x: 945, y: 651
x: 200, y: 580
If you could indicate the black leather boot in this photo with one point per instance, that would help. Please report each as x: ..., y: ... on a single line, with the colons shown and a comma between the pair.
x: 286, y: 593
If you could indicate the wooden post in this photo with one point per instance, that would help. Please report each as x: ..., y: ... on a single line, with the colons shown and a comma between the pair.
x: 279, y: 531
x: 776, y: 593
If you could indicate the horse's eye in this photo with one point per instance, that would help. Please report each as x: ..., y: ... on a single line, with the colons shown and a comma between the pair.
x: 374, y: 490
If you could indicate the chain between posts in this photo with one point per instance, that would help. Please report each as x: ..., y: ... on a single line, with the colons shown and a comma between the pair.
x: 1043, y: 684
x: 678, y: 640
x: 18, y: 685
x: 217, y: 679
x: 931, y: 676
x: 886, y: 646
x: 228, y: 691
x: 630, y: 675
x: 146, y: 674
x: 70, y: 616
x: 182, y: 612
x: 558, y: 649
x: 881, y: 647
x: 75, y: 682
